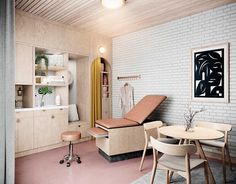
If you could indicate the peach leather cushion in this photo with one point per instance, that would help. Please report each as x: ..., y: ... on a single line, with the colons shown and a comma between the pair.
x: 116, y: 123
x: 144, y: 108
x: 70, y: 135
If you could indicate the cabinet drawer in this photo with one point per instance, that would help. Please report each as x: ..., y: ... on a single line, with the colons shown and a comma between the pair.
x: 23, y: 114
x: 50, y: 112
x: 80, y: 126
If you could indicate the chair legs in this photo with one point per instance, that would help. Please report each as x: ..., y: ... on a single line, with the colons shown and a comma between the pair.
x: 228, y: 155
x: 154, y: 167
x: 70, y: 157
x: 225, y: 152
x: 170, y: 175
x: 167, y: 177
x: 223, y: 164
x: 143, y: 156
x: 206, y: 173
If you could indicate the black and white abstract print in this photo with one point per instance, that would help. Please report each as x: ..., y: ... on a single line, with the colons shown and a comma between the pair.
x: 209, y: 74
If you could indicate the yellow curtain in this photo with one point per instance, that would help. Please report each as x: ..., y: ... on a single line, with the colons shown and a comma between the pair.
x: 95, y: 91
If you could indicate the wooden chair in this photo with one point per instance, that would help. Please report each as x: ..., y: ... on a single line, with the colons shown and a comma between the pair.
x: 151, y: 129
x: 225, y: 128
x: 176, y: 158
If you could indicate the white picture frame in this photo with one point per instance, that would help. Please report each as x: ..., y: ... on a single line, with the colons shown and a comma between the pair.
x: 210, y: 74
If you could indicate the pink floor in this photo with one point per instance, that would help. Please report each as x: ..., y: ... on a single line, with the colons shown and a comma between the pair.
x: 43, y: 168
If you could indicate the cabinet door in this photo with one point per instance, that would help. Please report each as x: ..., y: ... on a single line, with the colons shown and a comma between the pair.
x: 49, y: 124
x: 59, y: 125
x: 24, y: 131
x: 42, y: 131
x: 24, y: 64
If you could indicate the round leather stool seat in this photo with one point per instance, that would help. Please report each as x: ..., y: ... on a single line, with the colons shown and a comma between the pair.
x: 70, y: 135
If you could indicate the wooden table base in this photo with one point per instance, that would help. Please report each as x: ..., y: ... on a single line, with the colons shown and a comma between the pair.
x: 203, y: 156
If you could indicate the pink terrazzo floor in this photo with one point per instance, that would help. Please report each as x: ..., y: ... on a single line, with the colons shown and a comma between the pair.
x: 43, y: 168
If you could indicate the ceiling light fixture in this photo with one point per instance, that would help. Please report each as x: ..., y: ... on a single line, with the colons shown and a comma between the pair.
x: 113, y: 4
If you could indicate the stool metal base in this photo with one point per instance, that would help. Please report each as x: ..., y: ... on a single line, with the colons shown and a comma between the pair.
x: 70, y: 157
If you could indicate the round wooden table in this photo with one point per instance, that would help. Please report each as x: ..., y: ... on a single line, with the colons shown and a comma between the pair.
x: 196, y: 134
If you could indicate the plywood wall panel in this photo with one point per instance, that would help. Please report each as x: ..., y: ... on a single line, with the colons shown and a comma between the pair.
x: 39, y: 32
x: 35, y: 31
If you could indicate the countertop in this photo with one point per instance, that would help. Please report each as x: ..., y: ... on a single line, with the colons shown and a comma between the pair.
x: 41, y: 108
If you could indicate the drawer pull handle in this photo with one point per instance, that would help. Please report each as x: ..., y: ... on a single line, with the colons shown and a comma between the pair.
x: 78, y: 125
x: 18, y: 120
x: 61, y: 109
x: 53, y: 116
x: 44, y: 110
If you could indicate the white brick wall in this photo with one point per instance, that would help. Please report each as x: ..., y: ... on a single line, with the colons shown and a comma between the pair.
x: 162, y: 55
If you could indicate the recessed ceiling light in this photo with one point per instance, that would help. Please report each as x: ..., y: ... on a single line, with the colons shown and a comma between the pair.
x: 113, y: 4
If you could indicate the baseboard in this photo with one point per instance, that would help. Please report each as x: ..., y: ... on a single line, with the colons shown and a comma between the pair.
x: 45, y: 148
x: 124, y: 156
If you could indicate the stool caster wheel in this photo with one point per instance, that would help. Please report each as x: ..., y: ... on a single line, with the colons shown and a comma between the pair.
x: 67, y: 164
x: 79, y: 161
x: 61, y: 161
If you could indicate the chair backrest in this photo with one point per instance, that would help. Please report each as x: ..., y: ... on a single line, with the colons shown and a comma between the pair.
x: 216, y: 126
x: 151, y: 129
x: 171, y: 149
x: 152, y: 124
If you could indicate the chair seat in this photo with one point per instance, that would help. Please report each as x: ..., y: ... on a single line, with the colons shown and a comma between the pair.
x: 219, y: 144
x: 70, y: 135
x: 166, y: 140
x: 178, y: 163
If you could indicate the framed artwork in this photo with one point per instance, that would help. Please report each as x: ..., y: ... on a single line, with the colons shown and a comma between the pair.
x: 210, y: 73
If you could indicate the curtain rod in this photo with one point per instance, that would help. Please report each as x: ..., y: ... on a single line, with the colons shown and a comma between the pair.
x: 129, y: 77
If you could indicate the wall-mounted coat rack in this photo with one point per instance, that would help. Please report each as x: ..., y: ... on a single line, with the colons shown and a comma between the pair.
x: 129, y: 77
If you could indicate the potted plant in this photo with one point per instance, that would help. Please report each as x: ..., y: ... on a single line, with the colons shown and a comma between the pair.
x: 189, y: 116
x: 43, y: 91
x: 41, y: 62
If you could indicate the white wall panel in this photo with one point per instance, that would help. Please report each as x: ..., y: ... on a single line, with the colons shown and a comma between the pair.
x: 162, y: 55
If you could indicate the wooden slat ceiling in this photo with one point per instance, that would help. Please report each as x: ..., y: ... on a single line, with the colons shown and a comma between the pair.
x: 90, y: 16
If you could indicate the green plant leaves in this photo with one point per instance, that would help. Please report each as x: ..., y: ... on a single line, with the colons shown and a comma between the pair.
x: 44, y: 90
x: 40, y: 57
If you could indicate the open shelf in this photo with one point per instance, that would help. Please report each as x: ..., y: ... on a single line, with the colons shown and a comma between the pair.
x: 59, y: 85
x: 54, y: 68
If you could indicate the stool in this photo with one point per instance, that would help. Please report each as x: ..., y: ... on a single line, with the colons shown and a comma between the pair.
x: 70, y: 157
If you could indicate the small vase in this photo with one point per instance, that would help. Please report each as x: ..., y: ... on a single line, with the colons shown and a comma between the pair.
x: 41, y: 103
x: 188, y: 126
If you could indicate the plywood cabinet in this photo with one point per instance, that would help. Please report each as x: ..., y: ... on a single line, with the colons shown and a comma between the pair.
x: 24, y: 64
x: 49, y: 124
x: 24, y: 131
